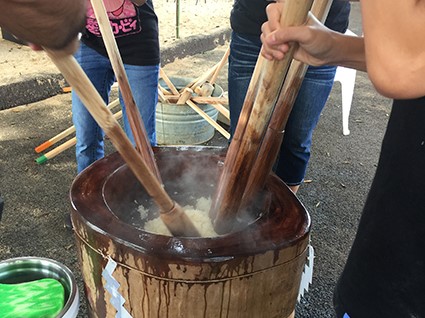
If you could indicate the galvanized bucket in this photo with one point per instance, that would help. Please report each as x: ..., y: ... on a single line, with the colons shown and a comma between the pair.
x: 180, y: 124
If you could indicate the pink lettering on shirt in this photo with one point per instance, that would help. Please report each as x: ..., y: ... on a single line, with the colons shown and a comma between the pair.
x: 122, y: 15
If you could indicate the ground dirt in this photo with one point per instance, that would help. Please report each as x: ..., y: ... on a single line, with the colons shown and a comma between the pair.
x: 337, y: 180
x: 17, y: 62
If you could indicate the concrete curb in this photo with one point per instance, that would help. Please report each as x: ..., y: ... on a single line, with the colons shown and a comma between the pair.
x: 37, y: 88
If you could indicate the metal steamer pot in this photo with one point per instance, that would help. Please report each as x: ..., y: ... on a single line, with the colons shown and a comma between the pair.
x: 253, y: 272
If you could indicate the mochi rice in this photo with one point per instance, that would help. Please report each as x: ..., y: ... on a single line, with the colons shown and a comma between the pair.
x: 198, y: 215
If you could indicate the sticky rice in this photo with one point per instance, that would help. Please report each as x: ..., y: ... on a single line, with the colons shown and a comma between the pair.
x: 198, y: 215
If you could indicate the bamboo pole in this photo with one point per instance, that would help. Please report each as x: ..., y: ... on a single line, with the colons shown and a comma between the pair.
x: 223, y: 110
x: 212, y: 122
x: 216, y: 102
x: 222, y: 62
x: 66, y: 145
x: 270, y: 146
x: 260, y: 100
x: 206, y: 88
x: 209, y: 74
x: 171, y: 213
x: 134, y: 117
x: 66, y: 133
x: 201, y: 79
x: 167, y: 81
x: 198, y: 99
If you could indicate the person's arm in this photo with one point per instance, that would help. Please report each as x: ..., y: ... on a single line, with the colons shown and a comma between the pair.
x: 392, y: 50
x: 53, y: 24
x: 318, y: 45
x: 395, y: 50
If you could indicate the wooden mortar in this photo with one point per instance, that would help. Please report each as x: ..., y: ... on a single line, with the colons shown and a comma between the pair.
x: 253, y: 272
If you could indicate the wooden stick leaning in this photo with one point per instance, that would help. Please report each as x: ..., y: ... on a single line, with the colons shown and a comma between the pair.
x: 201, y: 79
x: 171, y: 213
x: 206, y: 88
x: 134, y: 117
x: 185, y: 98
x: 222, y: 62
x: 210, y: 74
x: 161, y: 96
x: 66, y: 133
x: 223, y: 110
x: 216, y: 102
x: 272, y: 141
x: 196, y: 99
x: 261, y: 97
x: 64, y: 146
x: 213, y: 123
x: 167, y: 81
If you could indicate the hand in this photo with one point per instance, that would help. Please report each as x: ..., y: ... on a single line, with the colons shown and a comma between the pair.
x: 67, y: 50
x: 314, y: 40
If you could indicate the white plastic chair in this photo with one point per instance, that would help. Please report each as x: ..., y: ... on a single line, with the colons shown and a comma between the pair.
x: 347, y: 78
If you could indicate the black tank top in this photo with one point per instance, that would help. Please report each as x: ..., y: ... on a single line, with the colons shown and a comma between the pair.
x: 135, y: 29
x: 247, y: 16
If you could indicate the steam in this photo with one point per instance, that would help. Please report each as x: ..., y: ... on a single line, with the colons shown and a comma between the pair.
x: 190, y: 177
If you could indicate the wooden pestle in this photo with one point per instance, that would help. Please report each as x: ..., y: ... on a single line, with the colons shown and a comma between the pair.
x: 137, y: 127
x: 261, y: 97
x: 171, y: 213
x: 272, y: 141
x: 201, y: 79
x: 207, y: 88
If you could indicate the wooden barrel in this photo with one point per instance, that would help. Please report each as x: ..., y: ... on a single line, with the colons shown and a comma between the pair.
x: 254, y: 272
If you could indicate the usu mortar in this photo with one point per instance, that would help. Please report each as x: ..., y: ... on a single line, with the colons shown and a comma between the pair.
x: 254, y: 272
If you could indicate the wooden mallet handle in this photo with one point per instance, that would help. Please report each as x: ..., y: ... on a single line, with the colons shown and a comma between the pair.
x: 272, y: 141
x: 134, y: 117
x: 258, y: 106
x: 94, y: 103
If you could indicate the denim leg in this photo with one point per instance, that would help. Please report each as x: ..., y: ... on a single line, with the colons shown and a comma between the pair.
x: 89, y: 147
x: 295, y: 150
x: 144, y: 87
x: 244, y: 50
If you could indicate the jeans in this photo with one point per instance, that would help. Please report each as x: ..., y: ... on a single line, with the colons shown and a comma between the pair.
x: 295, y: 149
x: 143, y: 82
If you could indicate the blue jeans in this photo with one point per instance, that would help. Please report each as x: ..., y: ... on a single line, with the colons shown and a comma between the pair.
x: 313, y: 94
x: 143, y: 81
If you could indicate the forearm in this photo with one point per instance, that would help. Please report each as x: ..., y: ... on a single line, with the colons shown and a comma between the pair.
x: 317, y: 44
x: 49, y: 23
x: 347, y: 51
